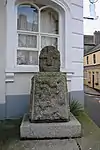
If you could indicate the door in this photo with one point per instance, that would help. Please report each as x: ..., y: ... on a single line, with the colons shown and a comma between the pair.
x: 93, y: 80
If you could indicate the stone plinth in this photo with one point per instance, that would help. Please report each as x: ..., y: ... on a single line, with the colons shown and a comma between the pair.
x: 69, y: 129
x: 56, y: 144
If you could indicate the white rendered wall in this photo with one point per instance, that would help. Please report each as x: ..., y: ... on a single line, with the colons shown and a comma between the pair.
x: 73, y: 55
x: 2, y: 51
x: 77, y: 47
x: 72, y: 52
x: 2, y: 58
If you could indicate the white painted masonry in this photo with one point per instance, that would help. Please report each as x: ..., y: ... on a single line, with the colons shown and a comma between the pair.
x: 15, y: 80
x: 2, y: 57
x: 2, y: 50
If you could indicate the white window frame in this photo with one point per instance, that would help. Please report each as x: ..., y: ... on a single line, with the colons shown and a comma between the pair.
x: 39, y: 35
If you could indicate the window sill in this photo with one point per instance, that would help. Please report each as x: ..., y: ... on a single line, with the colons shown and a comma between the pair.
x: 32, y: 69
x: 23, y: 69
x: 9, y: 73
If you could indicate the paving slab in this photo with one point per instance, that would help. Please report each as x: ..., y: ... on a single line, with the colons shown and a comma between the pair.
x: 67, y: 144
x: 91, y: 134
x: 91, y: 91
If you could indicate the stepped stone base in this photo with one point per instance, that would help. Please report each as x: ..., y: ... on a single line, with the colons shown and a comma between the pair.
x: 67, y: 144
x: 69, y: 129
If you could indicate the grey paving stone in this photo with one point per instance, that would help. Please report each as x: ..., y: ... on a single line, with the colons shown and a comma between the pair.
x: 45, y: 145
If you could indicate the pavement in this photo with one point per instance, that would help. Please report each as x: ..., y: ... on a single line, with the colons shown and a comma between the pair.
x: 92, y: 107
x: 92, y: 104
x: 89, y: 141
x: 91, y: 91
x: 91, y: 138
x: 91, y: 134
x: 55, y: 144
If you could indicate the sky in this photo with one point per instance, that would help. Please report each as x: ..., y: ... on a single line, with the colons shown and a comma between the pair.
x: 91, y: 25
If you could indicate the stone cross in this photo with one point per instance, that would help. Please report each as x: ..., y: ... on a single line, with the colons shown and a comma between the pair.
x: 49, y: 97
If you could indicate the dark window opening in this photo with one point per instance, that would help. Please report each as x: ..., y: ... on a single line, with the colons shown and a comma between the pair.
x: 87, y: 60
x: 97, y: 78
x: 94, y: 58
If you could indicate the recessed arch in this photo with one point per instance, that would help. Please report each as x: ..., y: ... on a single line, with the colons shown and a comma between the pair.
x: 60, y: 38
x: 63, y: 3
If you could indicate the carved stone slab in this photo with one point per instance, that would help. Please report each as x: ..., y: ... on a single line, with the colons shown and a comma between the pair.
x: 49, y: 99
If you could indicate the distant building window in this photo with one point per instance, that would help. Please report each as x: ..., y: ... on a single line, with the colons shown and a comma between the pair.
x: 89, y: 78
x: 87, y: 59
x: 85, y: 74
x: 97, y: 78
x: 94, y: 58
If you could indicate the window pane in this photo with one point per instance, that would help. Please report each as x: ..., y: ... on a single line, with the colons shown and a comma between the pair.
x: 27, y: 57
x: 27, y: 18
x: 49, y: 21
x: 49, y: 41
x: 29, y: 41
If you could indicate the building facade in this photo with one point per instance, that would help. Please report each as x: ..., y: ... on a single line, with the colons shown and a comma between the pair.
x: 26, y: 26
x: 89, y: 42
x: 92, y: 68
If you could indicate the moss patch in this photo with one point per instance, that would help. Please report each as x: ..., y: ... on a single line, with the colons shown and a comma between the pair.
x: 87, y: 124
x: 91, y: 133
x: 9, y: 131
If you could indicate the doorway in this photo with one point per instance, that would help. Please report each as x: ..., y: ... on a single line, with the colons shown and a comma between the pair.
x: 93, y: 79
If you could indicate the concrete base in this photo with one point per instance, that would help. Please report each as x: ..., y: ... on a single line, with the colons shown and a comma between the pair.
x: 69, y: 129
x: 66, y: 144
